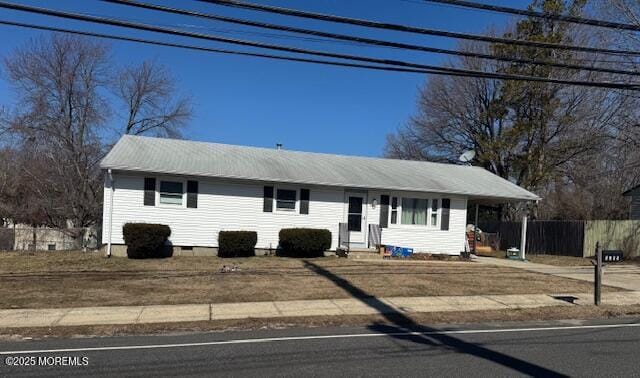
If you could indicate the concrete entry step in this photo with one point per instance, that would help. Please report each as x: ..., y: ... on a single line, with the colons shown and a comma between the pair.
x: 363, y: 250
x: 366, y: 256
x: 362, y: 253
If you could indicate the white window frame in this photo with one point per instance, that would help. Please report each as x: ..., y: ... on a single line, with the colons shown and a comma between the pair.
x: 438, y: 213
x: 428, y: 226
x: 183, y: 203
x: 401, y: 199
x: 391, y: 210
x: 295, y: 210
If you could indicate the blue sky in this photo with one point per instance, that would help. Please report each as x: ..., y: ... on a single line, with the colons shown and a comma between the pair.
x: 251, y: 101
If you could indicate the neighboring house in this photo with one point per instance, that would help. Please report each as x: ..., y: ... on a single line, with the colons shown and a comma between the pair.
x: 22, y: 237
x: 634, y: 211
x: 199, y: 189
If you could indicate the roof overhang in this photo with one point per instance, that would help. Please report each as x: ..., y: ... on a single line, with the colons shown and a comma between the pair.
x: 488, y: 199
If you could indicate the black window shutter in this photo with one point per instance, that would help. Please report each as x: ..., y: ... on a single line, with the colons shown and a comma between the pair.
x: 268, y: 199
x: 192, y: 194
x: 304, y: 201
x: 384, y: 211
x: 149, y: 191
x: 446, y: 209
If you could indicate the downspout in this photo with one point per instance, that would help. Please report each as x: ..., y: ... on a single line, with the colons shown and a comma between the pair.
x: 113, y: 190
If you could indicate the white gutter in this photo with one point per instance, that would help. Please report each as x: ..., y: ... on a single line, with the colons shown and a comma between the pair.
x: 113, y: 190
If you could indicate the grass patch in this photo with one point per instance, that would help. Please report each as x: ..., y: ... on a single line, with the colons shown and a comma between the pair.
x: 574, y: 261
x: 559, y: 260
x: 76, y: 279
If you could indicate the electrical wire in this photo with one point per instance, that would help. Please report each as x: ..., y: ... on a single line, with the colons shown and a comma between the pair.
x: 374, y: 42
x: 543, y: 15
x: 447, y: 70
x: 212, y: 50
x: 412, y: 29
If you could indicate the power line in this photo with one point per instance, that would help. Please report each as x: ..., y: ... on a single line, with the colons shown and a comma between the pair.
x: 443, y: 70
x: 244, y: 32
x: 412, y: 29
x: 214, y: 50
x: 227, y: 52
x: 368, y: 41
x: 544, y: 15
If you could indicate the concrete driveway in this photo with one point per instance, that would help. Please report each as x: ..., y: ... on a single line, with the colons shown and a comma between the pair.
x: 625, y: 276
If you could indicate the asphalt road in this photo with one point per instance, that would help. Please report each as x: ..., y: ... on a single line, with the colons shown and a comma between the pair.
x: 540, y: 349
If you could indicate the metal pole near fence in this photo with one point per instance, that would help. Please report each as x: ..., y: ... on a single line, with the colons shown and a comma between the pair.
x: 597, y: 280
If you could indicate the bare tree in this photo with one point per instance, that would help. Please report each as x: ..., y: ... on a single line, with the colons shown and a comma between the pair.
x: 53, y: 141
x: 62, y: 110
x: 534, y: 134
x: 148, y: 92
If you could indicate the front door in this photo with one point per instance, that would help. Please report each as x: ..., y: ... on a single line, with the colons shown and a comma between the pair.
x: 356, y: 216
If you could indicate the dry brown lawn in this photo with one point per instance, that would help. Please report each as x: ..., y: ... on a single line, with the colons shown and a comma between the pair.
x: 76, y: 279
x: 559, y: 260
x: 573, y: 261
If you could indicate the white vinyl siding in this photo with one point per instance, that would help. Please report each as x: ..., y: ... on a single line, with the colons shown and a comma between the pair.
x: 236, y: 205
x: 223, y: 205
x: 427, y: 239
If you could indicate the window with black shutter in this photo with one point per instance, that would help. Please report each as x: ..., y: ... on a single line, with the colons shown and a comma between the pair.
x: 268, y: 199
x: 286, y: 199
x: 192, y: 194
x: 171, y: 193
x: 149, y: 191
x: 304, y: 201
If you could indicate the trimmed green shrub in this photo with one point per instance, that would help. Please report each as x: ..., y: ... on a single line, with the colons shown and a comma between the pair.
x: 146, y: 240
x: 304, y: 242
x: 237, y: 243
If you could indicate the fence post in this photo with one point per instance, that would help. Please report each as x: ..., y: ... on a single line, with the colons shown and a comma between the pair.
x: 597, y: 281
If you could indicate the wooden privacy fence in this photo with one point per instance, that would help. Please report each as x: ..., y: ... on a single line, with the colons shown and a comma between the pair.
x: 621, y: 235
x: 569, y: 238
x: 564, y: 238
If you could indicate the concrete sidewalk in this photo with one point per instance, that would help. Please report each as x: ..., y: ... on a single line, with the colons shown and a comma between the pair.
x: 622, y: 276
x: 331, y: 307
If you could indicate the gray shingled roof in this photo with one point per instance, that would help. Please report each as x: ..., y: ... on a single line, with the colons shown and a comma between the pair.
x: 182, y: 157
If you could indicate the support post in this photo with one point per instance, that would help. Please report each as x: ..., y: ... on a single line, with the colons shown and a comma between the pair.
x: 523, y: 240
x: 597, y: 281
x: 475, y: 231
x: 111, y: 195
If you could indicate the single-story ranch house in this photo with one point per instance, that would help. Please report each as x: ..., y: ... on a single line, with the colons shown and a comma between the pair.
x: 199, y: 189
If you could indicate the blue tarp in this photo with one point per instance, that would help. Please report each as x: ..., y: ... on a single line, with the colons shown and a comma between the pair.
x: 399, y: 251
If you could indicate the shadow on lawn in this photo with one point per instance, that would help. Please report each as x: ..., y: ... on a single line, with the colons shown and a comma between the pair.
x: 402, y: 324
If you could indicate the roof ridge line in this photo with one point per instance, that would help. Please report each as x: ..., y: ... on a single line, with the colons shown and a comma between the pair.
x: 300, y: 151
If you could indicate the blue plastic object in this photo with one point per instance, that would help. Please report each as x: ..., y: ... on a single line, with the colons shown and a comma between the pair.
x: 406, y: 252
x: 399, y: 251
